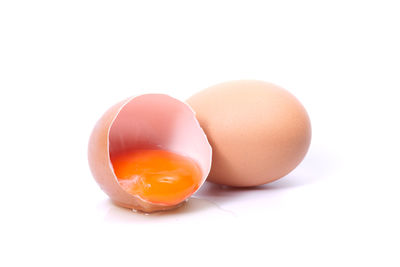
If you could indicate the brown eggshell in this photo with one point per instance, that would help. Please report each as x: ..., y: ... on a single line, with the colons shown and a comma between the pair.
x: 259, y: 132
x: 147, y: 121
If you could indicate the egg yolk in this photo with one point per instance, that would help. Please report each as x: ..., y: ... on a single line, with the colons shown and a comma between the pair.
x: 157, y: 176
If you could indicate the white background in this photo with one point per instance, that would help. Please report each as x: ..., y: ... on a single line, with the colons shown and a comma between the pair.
x: 63, y: 63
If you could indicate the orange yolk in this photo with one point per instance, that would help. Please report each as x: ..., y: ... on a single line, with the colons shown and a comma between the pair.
x: 157, y: 176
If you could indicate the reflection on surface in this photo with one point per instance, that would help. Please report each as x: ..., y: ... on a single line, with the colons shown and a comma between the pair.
x: 193, y: 207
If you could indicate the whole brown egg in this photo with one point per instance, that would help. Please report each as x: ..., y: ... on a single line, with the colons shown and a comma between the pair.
x: 259, y: 132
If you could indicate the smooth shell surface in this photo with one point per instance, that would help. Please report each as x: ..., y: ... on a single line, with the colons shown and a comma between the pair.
x: 259, y: 132
x: 151, y: 121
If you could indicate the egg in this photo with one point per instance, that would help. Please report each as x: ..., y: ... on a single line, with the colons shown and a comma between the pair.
x: 149, y: 153
x: 258, y: 131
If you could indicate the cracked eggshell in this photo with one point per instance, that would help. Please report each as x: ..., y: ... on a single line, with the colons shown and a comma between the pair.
x: 146, y: 121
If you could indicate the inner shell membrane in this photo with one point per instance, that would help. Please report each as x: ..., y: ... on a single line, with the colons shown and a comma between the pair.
x: 158, y: 150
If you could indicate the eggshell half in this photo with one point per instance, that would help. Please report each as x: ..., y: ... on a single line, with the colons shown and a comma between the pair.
x: 150, y: 121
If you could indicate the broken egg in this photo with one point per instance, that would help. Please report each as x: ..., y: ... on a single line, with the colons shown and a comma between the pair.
x: 149, y: 153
